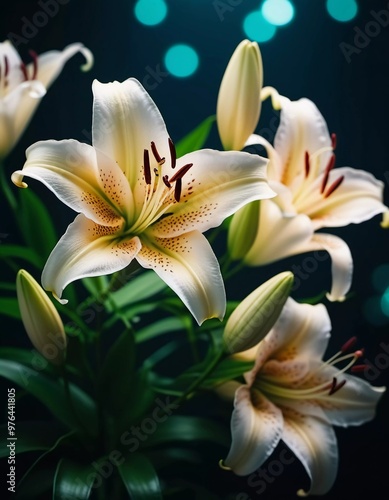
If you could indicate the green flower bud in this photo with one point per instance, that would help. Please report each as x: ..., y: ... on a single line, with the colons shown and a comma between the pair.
x: 255, y: 316
x: 41, y: 319
x: 243, y: 230
x: 239, y: 103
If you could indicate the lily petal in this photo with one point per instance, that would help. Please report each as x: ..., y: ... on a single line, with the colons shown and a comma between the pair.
x: 125, y: 122
x: 217, y: 185
x: 188, y: 266
x: 302, y: 129
x: 278, y: 236
x: 50, y: 63
x: 92, y: 185
x: 256, y: 427
x: 85, y: 250
x: 314, y: 443
x: 275, y: 167
x: 357, y: 199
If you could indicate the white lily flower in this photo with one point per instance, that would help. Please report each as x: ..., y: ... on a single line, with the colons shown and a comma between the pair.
x: 23, y: 85
x: 137, y: 200
x: 311, y: 195
x: 294, y: 396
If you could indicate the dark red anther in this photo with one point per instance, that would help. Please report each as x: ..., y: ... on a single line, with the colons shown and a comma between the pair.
x: 348, y: 345
x: 180, y: 173
x: 173, y: 154
x: 359, y: 368
x: 334, y: 186
x: 34, y: 57
x: 329, y: 167
x: 146, y: 166
x: 335, y: 387
x: 307, y: 165
x: 359, y: 353
x: 6, y: 66
x: 333, y: 141
x: 165, y: 179
x: 157, y: 156
x: 177, y: 189
x: 24, y: 71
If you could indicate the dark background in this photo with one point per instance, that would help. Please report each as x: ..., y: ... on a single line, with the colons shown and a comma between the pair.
x: 303, y: 59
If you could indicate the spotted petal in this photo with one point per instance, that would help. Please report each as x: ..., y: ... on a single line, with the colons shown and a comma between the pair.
x: 314, y: 443
x: 217, y: 185
x: 256, y: 427
x: 188, y: 266
x: 79, y: 176
x: 85, y: 250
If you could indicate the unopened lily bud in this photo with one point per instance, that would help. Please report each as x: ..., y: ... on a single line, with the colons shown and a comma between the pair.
x: 243, y: 230
x: 239, y: 103
x: 255, y: 316
x: 41, y: 319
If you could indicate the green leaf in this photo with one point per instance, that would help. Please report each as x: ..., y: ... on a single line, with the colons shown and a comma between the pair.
x: 32, y: 436
x: 51, y: 392
x: 73, y: 481
x: 196, y: 138
x: 96, y: 285
x: 36, y: 224
x: 9, y: 287
x: 117, y: 374
x: 140, y: 478
x: 161, y: 327
x: 17, y: 251
x: 9, y: 307
x: 137, y: 289
x: 188, y: 429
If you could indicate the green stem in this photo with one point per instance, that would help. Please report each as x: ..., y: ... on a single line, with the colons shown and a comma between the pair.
x: 69, y: 398
x: 189, y: 391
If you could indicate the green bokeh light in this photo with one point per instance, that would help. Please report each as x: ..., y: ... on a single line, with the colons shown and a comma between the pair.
x: 181, y: 60
x: 278, y: 12
x: 150, y: 12
x: 257, y: 28
x: 342, y: 10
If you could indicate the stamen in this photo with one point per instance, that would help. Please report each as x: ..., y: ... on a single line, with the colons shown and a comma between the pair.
x: 34, y: 56
x: 348, y: 345
x: 307, y: 165
x: 173, y: 154
x: 165, y: 179
x: 6, y: 66
x: 334, y: 186
x: 157, y: 156
x: 333, y: 141
x: 146, y: 167
x: 24, y: 71
x: 359, y: 353
x: 180, y: 173
x: 337, y: 387
x: 329, y: 167
x: 177, y: 189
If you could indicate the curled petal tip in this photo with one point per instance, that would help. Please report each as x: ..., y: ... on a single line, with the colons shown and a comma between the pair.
x: 61, y: 301
x: 89, y: 59
x: 334, y: 298
x: 17, y: 179
x: 222, y: 466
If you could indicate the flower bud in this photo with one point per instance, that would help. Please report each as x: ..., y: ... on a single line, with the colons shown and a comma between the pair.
x: 257, y: 313
x: 243, y: 230
x: 41, y: 319
x: 239, y: 103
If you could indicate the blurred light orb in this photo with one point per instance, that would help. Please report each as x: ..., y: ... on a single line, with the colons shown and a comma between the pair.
x: 181, y: 60
x: 385, y: 302
x: 380, y: 278
x: 150, y: 12
x: 278, y: 12
x: 373, y: 311
x: 342, y: 10
x: 257, y: 28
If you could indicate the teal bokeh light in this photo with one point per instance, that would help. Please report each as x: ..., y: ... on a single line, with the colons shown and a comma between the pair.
x: 385, y: 302
x: 181, y: 60
x: 380, y: 278
x: 278, y: 12
x: 342, y: 10
x: 150, y: 12
x: 257, y: 28
x: 373, y: 311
